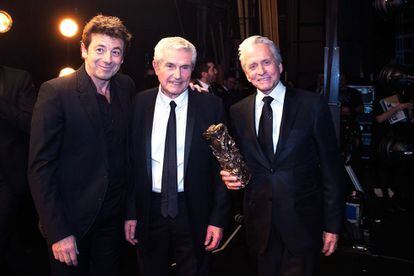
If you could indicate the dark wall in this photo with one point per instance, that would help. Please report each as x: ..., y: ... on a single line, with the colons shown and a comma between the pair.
x: 34, y: 42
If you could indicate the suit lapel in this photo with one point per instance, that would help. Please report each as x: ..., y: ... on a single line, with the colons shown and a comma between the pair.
x: 290, y: 109
x: 251, y: 128
x: 87, y: 98
x: 191, y: 114
x: 149, y: 118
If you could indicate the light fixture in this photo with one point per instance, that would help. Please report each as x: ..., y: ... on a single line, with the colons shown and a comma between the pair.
x: 68, y: 27
x: 66, y: 71
x: 6, y: 21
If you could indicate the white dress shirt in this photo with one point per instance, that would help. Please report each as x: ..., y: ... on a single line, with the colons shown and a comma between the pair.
x: 278, y: 95
x: 158, y: 135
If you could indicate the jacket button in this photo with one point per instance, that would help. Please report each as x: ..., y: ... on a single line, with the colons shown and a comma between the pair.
x: 272, y: 170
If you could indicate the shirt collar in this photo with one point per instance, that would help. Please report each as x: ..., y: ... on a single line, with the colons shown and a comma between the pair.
x: 278, y: 94
x: 165, y: 100
x: 203, y: 84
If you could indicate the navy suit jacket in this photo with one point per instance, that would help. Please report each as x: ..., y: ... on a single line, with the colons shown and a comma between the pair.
x: 301, y: 192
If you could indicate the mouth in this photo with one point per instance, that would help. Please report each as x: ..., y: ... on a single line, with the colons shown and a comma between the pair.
x: 176, y: 83
x: 105, y: 68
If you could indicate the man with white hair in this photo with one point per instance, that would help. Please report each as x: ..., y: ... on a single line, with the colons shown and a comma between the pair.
x: 179, y: 205
x: 294, y: 202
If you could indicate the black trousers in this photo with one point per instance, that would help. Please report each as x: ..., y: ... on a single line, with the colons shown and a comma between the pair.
x: 99, y: 250
x: 171, y: 242
x: 8, y: 216
x: 277, y: 260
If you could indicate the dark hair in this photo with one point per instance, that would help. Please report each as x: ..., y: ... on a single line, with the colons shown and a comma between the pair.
x: 201, y: 66
x: 108, y: 25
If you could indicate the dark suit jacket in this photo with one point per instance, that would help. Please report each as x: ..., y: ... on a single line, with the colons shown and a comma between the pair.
x: 68, y: 160
x: 206, y: 196
x: 17, y: 98
x: 304, y: 183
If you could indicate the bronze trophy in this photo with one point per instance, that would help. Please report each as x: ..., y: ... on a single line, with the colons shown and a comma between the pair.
x: 225, y: 150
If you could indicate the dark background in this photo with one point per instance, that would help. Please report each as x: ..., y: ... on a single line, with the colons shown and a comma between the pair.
x: 35, y: 44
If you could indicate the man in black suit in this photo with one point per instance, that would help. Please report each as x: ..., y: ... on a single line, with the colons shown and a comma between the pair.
x: 78, y: 154
x: 17, y: 98
x: 179, y: 205
x: 294, y: 202
x: 205, y: 76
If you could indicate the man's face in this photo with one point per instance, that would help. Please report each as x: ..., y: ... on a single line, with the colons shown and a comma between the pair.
x: 261, y: 68
x: 211, y: 73
x: 104, y: 56
x: 230, y: 83
x: 174, y: 72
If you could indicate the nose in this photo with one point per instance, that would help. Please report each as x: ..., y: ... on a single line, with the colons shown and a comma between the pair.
x: 260, y: 69
x: 177, y: 73
x: 107, y: 57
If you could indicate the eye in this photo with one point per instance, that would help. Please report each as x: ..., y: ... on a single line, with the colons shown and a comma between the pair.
x: 99, y: 50
x: 252, y: 66
x: 186, y: 67
x: 116, y: 53
x: 169, y: 65
x: 267, y: 62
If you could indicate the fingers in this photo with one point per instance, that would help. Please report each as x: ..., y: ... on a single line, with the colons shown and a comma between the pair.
x: 129, y: 229
x: 330, y: 242
x: 213, y: 237
x: 231, y: 181
x: 66, y: 251
x: 329, y: 248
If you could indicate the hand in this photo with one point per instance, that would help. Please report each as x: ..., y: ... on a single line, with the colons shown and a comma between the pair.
x: 129, y: 228
x: 408, y: 106
x: 231, y: 181
x: 66, y: 250
x: 330, y: 242
x: 213, y: 237
x: 197, y: 88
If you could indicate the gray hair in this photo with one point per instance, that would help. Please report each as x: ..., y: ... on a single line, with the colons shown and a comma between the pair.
x: 257, y: 39
x: 174, y: 43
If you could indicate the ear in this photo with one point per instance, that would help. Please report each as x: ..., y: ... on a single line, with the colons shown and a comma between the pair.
x: 84, y: 51
x: 155, y: 66
x: 280, y: 68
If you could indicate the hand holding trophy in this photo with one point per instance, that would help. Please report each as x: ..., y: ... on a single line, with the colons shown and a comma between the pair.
x: 225, y: 150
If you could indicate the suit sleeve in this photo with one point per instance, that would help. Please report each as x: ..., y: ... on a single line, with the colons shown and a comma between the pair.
x: 45, y: 143
x: 219, y: 216
x: 18, y: 113
x: 130, y: 213
x: 331, y: 169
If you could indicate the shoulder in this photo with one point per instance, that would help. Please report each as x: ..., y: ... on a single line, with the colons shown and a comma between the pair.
x: 241, y: 106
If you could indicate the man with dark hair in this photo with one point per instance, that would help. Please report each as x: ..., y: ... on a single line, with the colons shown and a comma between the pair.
x: 78, y: 154
x: 294, y: 203
x: 205, y: 75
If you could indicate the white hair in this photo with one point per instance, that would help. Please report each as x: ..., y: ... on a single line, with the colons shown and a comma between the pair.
x: 254, y: 40
x: 174, y: 43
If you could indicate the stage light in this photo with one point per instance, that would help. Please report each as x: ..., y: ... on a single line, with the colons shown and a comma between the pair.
x: 6, y: 22
x: 68, y: 27
x: 66, y: 71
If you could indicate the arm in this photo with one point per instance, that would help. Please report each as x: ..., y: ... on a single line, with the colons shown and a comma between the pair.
x: 45, y: 143
x: 18, y: 114
x: 386, y: 115
x: 221, y: 206
x: 331, y: 175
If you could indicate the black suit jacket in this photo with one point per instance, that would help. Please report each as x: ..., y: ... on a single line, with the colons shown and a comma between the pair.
x: 304, y: 183
x: 68, y: 162
x: 206, y: 196
x: 17, y: 98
